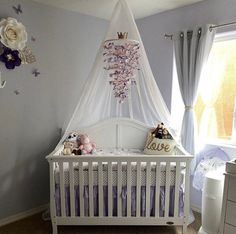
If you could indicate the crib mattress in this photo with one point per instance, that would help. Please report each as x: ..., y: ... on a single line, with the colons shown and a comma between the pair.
x: 162, y: 174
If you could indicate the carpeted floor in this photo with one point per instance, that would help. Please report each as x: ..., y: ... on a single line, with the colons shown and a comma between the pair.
x: 35, y: 225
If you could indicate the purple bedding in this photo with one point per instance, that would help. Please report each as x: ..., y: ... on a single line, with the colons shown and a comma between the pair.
x: 124, y: 203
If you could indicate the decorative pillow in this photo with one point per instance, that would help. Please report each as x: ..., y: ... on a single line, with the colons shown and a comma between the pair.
x: 159, y: 146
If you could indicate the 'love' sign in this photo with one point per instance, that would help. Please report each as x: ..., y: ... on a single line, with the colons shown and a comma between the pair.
x: 159, y: 146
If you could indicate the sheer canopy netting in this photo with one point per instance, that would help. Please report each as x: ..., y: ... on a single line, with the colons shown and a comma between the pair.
x: 141, y: 98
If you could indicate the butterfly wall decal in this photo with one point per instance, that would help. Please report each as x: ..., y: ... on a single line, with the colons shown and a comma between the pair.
x: 35, y: 72
x: 2, y: 84
x: 16, y: 92
x: 33, y: 38
x: 17, y: 9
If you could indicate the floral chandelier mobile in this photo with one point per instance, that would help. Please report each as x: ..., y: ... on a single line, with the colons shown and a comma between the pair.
x: 122, y: 58
x: 13, y: 49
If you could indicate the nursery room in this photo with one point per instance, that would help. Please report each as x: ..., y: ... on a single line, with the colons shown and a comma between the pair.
x: 118, y: 116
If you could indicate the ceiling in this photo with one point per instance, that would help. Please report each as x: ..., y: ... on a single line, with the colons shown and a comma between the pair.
x: 103, y: 8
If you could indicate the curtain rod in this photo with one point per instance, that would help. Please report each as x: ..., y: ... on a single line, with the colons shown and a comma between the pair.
x: 210, y: 28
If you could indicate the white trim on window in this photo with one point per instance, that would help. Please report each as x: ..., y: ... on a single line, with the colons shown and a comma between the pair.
x: 222, y: 142
x: 225, y: 36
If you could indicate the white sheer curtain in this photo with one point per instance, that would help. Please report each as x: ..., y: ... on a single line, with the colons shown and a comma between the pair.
x: 209, y: 90
x: 97, y: 102
x: 192, y: 48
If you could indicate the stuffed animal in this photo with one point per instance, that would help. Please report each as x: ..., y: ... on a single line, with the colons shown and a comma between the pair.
x: 165, y: 134
x: 76, y: 149
x: 161, y: 132
x: 71, y: 144
x: 157, y: 133
x: 72, y: 137
x: 68, y: 148
x: 86, y: 146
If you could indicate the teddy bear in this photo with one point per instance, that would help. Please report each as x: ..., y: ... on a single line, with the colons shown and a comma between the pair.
x: 68, y: 148
x: 86, y: 146
x: 165, y: 134
x: 74, y: 139
x: 157, y: 133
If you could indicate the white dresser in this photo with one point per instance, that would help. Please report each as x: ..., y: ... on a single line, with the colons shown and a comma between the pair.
x: 228, y: 217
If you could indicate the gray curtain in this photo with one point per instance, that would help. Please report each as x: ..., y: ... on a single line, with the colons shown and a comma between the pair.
x: 192, y: 48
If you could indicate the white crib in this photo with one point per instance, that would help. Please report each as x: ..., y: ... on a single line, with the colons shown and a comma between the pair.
x: 127, y: 134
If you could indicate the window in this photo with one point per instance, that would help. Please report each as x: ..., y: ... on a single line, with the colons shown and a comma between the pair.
x: 217, y: 92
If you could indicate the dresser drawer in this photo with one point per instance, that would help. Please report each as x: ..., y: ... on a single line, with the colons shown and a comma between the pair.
x: 231, y: 213
x: 229, y: 229
x: 232, y: 189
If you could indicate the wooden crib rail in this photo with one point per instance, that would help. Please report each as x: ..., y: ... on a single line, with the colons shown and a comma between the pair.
x: 130, y: 158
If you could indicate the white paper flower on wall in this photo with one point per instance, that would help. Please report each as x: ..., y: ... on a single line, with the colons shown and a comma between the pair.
x: 13, y: 34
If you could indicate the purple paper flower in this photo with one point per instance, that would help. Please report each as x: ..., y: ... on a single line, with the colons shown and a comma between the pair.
x: 10, y: 58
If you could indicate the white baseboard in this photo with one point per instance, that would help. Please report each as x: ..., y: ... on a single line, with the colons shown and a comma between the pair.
x: 23, y: 215
x: 38, y: 209
x: 196, y: 208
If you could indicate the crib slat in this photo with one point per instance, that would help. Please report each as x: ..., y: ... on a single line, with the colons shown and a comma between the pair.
x: 157, y: 189
x: 186, y: 189
x: 109, y: 189
x: 148, y: 178
x: 72, y: 189
x: 128, y: 189
x: 138, y: 188
x: 52, y: 191
x: 100, y: 184
x: 91, y: 210
x: 119, y: 187
x: 177, y: 183
x: 62, y: 189
x: 167, y: 190
x: 81, y: 189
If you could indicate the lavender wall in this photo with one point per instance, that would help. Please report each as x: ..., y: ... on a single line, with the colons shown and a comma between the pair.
x: 160, y: 50
x: 65, y: 47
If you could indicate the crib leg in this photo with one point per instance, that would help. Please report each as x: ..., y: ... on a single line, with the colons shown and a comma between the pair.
x: 54, y: 228
x: 184, y: 229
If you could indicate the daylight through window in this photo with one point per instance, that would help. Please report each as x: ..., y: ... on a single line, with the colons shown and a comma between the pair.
x: 216, y: 101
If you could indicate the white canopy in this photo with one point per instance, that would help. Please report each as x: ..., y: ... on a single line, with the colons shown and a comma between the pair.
x: 122, y: 69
